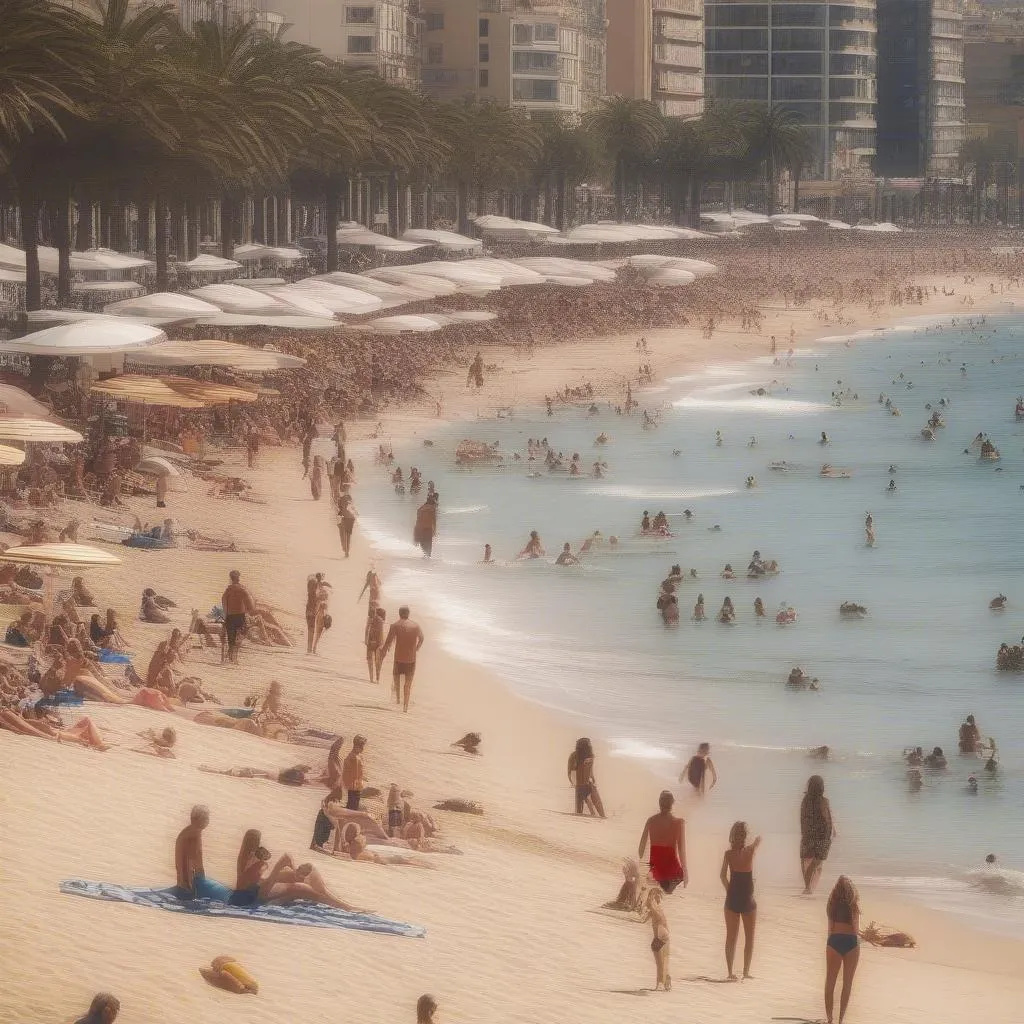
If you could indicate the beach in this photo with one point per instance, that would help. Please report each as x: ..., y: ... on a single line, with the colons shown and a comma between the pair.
x: 514, y: 926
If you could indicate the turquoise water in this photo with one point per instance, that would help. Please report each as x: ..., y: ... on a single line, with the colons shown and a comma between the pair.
x: 588, y: 641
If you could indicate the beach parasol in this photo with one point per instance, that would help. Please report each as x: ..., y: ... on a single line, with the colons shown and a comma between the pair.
x: 442, y: 239
x: 210, y: 352
x: 209, y: 392
x: 469, y: 316
x: 15, y: 402
x: 17, y: 428
x: 207, y: 263
x: 493, y: 224
x: 161, y: 304
x: 233, y: 299
x: 11, y: 456
x: 372, y: 240
x: 158, y: 465
x: 337, y: 298
x: 291, y: 323
x: 419, y: 323
x: 76, y: 555
x: 100, y: 335
x: 142, y: 390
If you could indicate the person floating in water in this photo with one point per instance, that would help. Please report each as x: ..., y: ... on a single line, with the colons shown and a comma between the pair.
x: 534, y: 548
x: 892, y: 486
x: 970, y: 740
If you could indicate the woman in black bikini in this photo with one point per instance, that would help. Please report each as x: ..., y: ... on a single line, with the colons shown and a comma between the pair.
x: 738, y: 879
x: 581, y: 775
x: 842, y: 951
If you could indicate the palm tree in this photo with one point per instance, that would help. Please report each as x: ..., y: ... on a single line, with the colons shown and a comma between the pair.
x: 777, y: 138
x: 630, y: 131
x: 569, y: 155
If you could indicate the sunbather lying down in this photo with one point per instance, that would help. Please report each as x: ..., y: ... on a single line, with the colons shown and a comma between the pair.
x: 413, y: 835
x: 297, y: 775
x: 158, y: 744
x: 352, y: 844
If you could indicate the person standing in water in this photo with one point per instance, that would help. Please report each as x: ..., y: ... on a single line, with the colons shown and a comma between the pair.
x: 425, y: 529
x: 581, y: 775
x: 816, y: 832
x: 697, y: 769
x: 698, y: 609
x: 738, y: 879
x: 842, y: 950
x: 869, y: 530
x: 667, y: 835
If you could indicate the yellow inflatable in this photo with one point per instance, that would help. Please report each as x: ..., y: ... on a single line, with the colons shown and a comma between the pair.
x: 227, y: 973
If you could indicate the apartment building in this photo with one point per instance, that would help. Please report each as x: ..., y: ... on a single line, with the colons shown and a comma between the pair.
x: 921, y: 88
x: 656, y: 52
x: 546, y: 57
x: 818, y: 59
x: 380, y: 34
x: 994, y: 74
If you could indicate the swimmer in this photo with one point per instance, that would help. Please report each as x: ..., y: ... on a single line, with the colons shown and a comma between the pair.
x: 687, y: 514
x: 819, y: 753
x: 698, y: 609
x: 892, y: 467
x: 566, y: 557
x: 718, y: 438
x: 714, y: 529
x: 759, y: 612
x: 727, y: 614
x: 824, y: 438
x: 915, y: 780
x: 892, y: 486
x: 727, y: 573
x: 990, y: 860
x: 997, y: 604
x: 534, y: 548
x: 752, y: 443
x: 972, y: 784
x: 914, y: 757
x: 751, y: 482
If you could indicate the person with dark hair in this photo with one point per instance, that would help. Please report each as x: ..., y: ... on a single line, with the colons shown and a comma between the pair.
x: 426, y: 1007
x: 581, y: 775
x: 738, y: 878
x: 407, y: 637
x: 667, y: 835
x: 103, y: 1009
x: 816, y: 832
x: 697, y: 770
x: 842, y: 950
x: 236, y: 603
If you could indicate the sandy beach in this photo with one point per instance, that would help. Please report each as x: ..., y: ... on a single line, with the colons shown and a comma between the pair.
x: 514, y: 926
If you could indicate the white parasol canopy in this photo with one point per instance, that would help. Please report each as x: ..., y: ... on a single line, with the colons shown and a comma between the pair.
x: 101, y: 335
x: 294, y: 323
x: 16, y: 402
x: 233, y: 299
x: 335, y: 297
x: 11, y: 456
x: 208, y: 352
x: 420, y: 323
x: 428, y: 286
x: 469, y: 316
x: 461, y: 273
x: 449, y: 240
x: 491, y: 224
x: 560, y: 266
x: 161, y: 304
x: 508, y: 272
x: 373, y: 240
x: 274, y: 253
x: 207, y: 263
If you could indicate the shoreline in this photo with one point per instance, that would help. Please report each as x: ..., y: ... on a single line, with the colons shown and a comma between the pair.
x: 521, y: 904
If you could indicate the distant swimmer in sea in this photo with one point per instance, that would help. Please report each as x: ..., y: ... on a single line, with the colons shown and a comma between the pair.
x: 869, y: 530
x: 715, y: 529
x: 785, y: 616
x: 991, y: 860
x: 759, y: 612
x: 970, y: 739
x: 566, y: 557
x: 727, y: 573
x: 687, y: 514
x: 915, y: 780
x: 488, y: 556
x: 601, y: 438
x: 668, y: 605
x: 936, y: 760
x: 997, y: 604
x: 645, y: 522
x: 698, y: 609
x: 892, y: 486
x: 751, y: 482
x: 698, y: 768
x: 727, y: 614
x: 752, y: 443
x: 719, y: 440
x: 914, y: 757
x: 819, y: 754
x: 660, y: 524
x: 892, y: 468
x: 534, y: 548
x: 824, y: 438
x: 972, y: 784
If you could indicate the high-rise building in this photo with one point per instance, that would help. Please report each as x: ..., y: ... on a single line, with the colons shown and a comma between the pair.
x: 547, y: 57
x: 191, y: 11
x: 994, y: 75
x: 921, y: 106
x: 815, y: 58
x: 379, y: 34
x: 656, y: 52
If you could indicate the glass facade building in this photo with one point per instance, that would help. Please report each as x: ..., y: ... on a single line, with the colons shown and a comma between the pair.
x: 818, y: 59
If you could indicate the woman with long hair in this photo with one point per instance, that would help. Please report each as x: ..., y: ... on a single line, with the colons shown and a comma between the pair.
x: 581, y: 775
x: 842, y: 950
x: 816, y: 832
x: 738, y: 879
x: 317, y: 619
x: 316, y: 477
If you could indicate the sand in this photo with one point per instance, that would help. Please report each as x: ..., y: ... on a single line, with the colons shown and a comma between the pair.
x: 514, y: 929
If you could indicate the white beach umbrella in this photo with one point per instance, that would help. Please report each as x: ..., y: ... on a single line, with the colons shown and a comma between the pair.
x: 22, y: 428
x: 294, y: 323
x: 508, y: 272
x: 17, y: 402
x: 100, y: 336
x: 109, y: 259
x: 207, y: 263
x: 12, y: 275
x: 428, y: 286
x: 491, y: 224
x: 233, y: 299
x: 418, y: 323
x: 297, y: 302
x: 365, y: 239
x: 466, y: 278
x: 211, y: 352
x: 469, y: 316
x: 11, y: 456
x: 449, y: 240
x: 838, y: 225
x: 339, y: 299
x: 669, y: 277
x: 161, y: 304
x: 274, y: 253
x: 564, y: 267
x: 391, y: 295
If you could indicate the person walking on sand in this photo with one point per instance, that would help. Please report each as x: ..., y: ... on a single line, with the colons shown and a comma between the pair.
x: 352, y: 773
x: 738, y: 879
x: 347, y: 516
x: 580, y: 769
x: 816, y: 832
x: 842, y: 950
x: 316, y: 477
x: 425, y: 529
x: 407, y: 638
x: 698, y: 768
x: 667, y: 835
x: 317, y: 619
x: 237, y: 602
x: 374, y: 638
x: 660, y: 941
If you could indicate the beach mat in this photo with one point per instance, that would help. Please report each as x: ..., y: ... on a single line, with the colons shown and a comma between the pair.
x: 311, y: 915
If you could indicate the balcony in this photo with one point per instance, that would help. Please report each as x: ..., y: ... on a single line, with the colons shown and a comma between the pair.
x: 695, y: 8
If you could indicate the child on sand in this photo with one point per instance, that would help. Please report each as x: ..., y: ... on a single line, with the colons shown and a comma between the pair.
x: 660, y: 942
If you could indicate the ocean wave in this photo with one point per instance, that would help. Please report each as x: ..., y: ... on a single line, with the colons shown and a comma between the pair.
x: 627, y: 747
x: 771, y: 406
x: 659, y: 494
x: 998, y: 882
x: 464, y: 511
x: 709, y: 371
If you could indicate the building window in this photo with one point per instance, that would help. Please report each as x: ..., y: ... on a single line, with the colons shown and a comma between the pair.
x: 434, y: 21
x: 435, y: 54
x: 543, y: 90
x: 485, y: 78
x: 545, y: 33
x: 527, y: 61
x: 484, y: 28
x: 485, y: 53
x: 359, y: 15
x: 522, y: 35
x: 360, y: 44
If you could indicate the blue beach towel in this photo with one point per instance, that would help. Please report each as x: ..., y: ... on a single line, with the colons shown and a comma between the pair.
x: 311, y: 915
x: 62, y: 698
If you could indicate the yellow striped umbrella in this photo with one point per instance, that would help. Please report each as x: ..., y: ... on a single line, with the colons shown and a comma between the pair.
x: 59, y: 554
x: 209, y: 392
x: 11, y: 456
x: 132, y: 387
x: 17, y: 428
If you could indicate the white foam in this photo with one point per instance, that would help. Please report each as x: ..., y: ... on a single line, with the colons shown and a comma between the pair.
x: 656, y: 494
x: 771, y: 406
x: 627, y: 747
x: 467, y: 510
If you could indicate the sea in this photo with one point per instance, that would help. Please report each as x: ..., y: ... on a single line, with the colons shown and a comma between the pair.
x: 588, y: 642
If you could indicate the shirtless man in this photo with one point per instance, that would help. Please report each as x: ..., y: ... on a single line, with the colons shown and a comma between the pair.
x: 567, y: 557
x: 426, y: 524
x: 667, y: 835
x: 237, y: 602
x: 407, y: 637
x: 352, y: 773
x: 188, y: 854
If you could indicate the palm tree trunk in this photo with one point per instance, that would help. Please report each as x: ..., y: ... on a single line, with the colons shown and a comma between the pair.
x: 620, y: 190
x: 696, y: 188
x: 227, y: 225
x: 796, y: 190
x: 394, y: 197
x: 331, y: 225
x: 62, y: 239
x: 770, y: 169
x: 462, y: 199
x: 560, y: 186
x: 259, y: 226
x: 428, y: 208
x: 160, y: 243
x: 30, y: 239
x: 83, y: 230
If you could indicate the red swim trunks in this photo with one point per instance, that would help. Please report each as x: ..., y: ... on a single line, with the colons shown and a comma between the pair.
x: 665, y: 867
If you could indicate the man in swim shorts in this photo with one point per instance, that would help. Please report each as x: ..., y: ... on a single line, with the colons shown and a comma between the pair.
x: 237, y: 602
x: 352, y: 773
x: 407, y: 637
x: 667, y: 835
x: 192, y: 882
